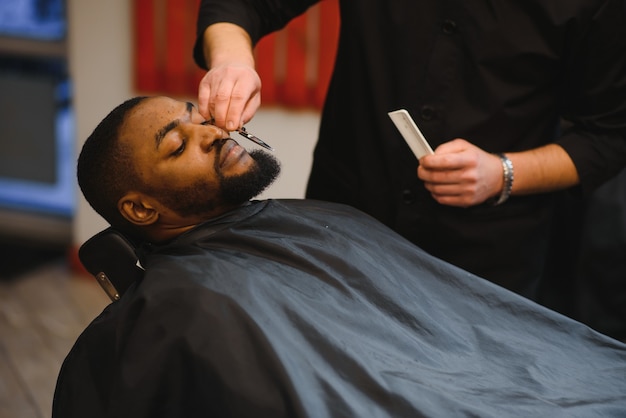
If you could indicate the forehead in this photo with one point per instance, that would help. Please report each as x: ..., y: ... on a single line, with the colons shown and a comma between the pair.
x: 156, y: 109
x: 148, y: 117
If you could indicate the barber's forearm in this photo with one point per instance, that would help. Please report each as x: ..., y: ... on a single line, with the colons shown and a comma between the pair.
x: 544, y: 169
x: 226, y: 43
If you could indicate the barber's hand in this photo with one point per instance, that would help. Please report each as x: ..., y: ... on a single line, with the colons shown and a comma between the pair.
x: 461, y: 174
x: 230, y: 94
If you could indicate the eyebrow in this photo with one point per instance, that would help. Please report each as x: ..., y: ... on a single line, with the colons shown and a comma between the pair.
x: 158, y: 137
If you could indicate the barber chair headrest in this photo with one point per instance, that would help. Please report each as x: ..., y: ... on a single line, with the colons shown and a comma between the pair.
x: 112, y: 259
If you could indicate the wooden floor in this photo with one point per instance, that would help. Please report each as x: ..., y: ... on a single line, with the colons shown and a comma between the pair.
x: 42, y: 312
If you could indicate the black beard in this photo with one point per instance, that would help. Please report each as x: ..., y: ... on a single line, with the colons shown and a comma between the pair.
x: 239, y: 189
x: 233, y: 190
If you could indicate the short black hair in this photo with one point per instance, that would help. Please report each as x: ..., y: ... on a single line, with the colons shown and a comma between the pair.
x: 105, y: 169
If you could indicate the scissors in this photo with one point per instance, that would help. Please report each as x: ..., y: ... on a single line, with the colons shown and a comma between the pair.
x: 242, y: 131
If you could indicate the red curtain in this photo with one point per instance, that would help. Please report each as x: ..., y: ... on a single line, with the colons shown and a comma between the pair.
x: 294, y: 64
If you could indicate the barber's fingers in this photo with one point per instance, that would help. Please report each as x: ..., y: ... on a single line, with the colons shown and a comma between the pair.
x: 230, y: 95
x: 460, y: 174
x: 204, y: 93
x: 455, y: 154
x: 233, y: 102
x: 250, y: 108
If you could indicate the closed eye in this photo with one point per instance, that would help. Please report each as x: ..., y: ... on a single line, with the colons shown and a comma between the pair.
x: 178, y: 151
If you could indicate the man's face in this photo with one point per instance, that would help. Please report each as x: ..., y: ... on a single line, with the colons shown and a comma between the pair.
x: 191, y: 167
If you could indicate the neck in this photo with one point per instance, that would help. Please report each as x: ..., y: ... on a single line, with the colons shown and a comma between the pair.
x: 170, y: 226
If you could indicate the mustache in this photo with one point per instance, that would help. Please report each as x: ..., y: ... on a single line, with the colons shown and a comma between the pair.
x: 219, y: 143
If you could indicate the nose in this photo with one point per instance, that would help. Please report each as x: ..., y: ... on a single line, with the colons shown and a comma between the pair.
x: 211, y: 123
x: 210, y: 135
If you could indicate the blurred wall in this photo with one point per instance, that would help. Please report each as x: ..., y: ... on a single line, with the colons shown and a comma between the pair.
x: 100, y: 54
x: 100, y: 68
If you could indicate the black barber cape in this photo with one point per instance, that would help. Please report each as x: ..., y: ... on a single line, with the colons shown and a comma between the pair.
x: 308, y: 309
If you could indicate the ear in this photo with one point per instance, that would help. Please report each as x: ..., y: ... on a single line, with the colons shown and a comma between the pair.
x: 137, y: 209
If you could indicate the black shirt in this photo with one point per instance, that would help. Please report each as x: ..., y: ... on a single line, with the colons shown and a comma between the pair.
x: 503, y: 75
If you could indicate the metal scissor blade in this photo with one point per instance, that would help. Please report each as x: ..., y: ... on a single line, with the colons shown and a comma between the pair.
x: 253, y: 138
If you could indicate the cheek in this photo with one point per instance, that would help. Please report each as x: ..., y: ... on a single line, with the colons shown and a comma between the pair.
x: 189, y: 168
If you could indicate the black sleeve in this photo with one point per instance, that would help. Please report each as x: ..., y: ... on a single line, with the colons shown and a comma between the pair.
x: 257, y: 17
x: 594, y: 96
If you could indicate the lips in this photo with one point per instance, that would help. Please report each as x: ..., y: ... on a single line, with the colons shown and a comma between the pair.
x: 229, y: 152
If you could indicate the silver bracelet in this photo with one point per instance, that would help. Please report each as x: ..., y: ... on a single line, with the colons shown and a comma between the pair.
x: 507, y: 168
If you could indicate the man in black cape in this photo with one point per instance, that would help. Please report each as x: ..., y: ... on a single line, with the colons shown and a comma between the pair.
x: 296, y: 308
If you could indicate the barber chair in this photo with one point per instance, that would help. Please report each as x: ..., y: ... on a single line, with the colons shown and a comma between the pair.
x: 112, y: 259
